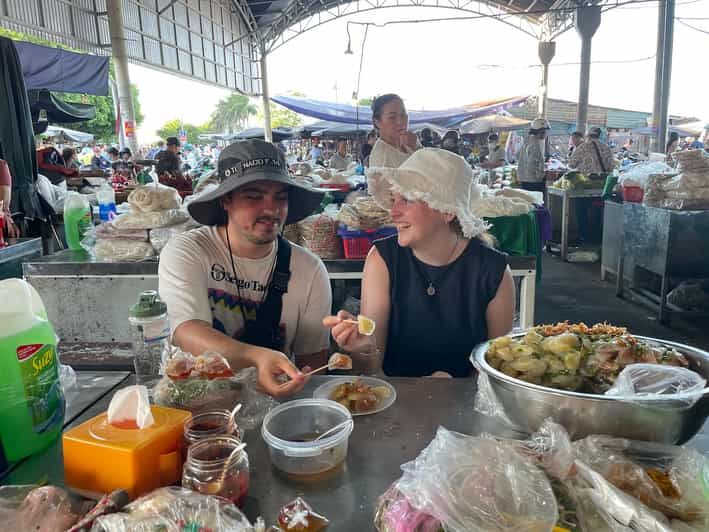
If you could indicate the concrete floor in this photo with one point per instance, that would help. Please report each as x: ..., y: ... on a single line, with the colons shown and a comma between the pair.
x: 575, y: 292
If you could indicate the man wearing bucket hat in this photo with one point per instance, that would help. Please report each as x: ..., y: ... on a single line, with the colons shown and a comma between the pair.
x: 436, y: 289
x: 235, y: 286
x: 530, y: 163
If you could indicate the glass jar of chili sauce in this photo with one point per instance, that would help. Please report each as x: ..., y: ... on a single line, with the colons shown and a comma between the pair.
x: 210, y: 424
x: 212, y: 470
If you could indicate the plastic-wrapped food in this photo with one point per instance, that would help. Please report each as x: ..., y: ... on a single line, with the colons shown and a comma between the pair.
x: 684, y: 204
x: 154, y: 198
x: 151, y: 220
x: 160, y: 236
x: 395, y: 514
x: 205, y: 383
x: 639, y: 174
x: 663, y: 386
x: 319, y: 233
x: 122, y: 250
x: 108, y: 230
x: 478, y: 484
x: 298, y: 516
x: 44, y: 509
x: 175, y: 509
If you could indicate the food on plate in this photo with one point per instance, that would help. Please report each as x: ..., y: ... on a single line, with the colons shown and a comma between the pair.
x: 575, y: 357
x: 339, y: 361
x: 359, y: 397
x: 365, y: 325
x: 298, y: 516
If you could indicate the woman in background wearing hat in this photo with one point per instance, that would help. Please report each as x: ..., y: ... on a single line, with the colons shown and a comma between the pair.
x: 436, y: 289
x: 530, y: 164
x: 395, y: 143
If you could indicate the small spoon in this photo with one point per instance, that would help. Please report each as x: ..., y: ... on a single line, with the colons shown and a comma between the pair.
x: 336, y: 428
x: 219, y: 484
x: 235, y: 411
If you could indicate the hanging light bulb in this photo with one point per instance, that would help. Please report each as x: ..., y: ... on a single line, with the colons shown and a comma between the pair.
x: 349, y: 42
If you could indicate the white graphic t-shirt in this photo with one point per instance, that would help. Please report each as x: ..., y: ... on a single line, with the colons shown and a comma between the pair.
x: 196, y: 282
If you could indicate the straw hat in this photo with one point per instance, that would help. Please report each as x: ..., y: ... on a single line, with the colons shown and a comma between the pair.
x: 439, y: 178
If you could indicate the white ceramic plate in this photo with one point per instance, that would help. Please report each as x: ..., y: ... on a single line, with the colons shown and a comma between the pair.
x: 325, y: 390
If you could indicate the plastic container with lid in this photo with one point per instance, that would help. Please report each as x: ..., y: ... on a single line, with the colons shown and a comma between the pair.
x: 100, y: 458
x: 32, y: 402
x: 150, y: 330
x: 106, y: 197
x: 290, y: 429
x: 212, y: 470
x: 210, y: 424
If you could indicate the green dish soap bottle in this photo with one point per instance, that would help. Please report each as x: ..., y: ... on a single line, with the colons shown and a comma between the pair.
x: 32, y: 407
x: 77, y: 219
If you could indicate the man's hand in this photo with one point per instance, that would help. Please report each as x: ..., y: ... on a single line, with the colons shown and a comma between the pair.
x: 272, y: 364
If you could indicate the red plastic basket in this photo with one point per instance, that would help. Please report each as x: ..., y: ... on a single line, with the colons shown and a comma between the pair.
x: 356, y: 247
x: 633, y: 194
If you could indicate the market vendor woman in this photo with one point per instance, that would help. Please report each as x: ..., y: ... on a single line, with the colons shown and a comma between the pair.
x: 436, y: 289
x: 395, y: 143
x: 235, y: 286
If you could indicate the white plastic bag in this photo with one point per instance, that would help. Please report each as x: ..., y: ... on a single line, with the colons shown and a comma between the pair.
x: 154, y: 198
x: 668, y: 386
x: 122, y: 250
x: 150, y: 220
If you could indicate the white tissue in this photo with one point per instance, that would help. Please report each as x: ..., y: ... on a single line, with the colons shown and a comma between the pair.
x: 130, y: 403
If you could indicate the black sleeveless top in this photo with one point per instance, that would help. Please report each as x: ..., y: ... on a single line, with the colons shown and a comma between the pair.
x: 438, y: 333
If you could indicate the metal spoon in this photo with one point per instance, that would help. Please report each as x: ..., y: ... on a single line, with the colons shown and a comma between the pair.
x: 235, y: 411
x: 219, y: 484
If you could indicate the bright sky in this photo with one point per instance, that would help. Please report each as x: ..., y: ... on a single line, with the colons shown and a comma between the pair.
x: 439, y: 65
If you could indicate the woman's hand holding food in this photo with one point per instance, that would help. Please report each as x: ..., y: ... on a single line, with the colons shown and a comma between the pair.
x: 408, y: 142
x: 345, y: 331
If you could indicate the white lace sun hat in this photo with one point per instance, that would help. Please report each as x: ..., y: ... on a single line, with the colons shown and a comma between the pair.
x: 439, y: 178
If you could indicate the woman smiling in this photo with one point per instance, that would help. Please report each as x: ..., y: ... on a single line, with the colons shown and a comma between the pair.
x: 395, y: 143
x: 436, y: 289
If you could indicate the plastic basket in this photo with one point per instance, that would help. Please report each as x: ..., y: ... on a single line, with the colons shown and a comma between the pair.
x: 358, y: 243
x: 633, y: 194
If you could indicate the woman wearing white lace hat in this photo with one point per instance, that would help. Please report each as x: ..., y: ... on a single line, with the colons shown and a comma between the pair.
x: 436, y: 289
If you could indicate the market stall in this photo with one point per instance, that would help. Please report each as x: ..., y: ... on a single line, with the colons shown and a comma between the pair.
x: 565, y: 196
x: 15, y: 253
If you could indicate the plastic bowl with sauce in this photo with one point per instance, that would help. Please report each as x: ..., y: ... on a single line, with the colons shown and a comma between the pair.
x: 290, y: 429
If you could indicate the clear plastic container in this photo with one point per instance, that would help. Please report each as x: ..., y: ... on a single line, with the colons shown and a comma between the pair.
x: 210, y: 424
x: 290, y: 429
x: 106, y: 197
x: 210, y: 469
x: 150, y: 330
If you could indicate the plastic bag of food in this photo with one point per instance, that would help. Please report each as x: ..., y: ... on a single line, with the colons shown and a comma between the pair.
x: 154, y: 198
x: 45, y: 508
x: 395, y: 514
x: 319, y: 233
x: 122, y: 250
x: 175, y: 509
x: 204, y: 383
x: 487, y: 403
x: 150, y: 220
x: 659, y: 386
x: 108, y: 231
x: 159, y: 237
x: 478, y: 484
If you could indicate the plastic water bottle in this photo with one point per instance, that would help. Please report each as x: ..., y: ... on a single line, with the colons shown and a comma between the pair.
x: 106, y: 202
x: 151, y: 336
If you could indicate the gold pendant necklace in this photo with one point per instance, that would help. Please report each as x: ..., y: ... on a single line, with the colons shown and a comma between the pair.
x: 431, y: 290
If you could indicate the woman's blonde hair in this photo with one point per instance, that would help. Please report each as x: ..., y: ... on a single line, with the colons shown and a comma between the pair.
x: 486, y: 238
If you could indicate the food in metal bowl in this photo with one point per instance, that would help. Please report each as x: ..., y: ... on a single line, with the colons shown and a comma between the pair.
x: 575, y: 357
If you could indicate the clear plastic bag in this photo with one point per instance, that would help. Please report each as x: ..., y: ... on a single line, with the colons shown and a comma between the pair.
x: 478, y: 484
x: 486, y: 401
x: 173, y: 509
x: 189, y: 387
x: 150, y: 220
x: 154, y: 198
x: 663, y: 386
x: 122, y: 250
x: 160, y: 236
x: 45, y: 508
x: 395, y: 514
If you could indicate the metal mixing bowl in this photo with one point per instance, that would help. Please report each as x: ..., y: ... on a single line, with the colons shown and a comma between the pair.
x: 528, y: 405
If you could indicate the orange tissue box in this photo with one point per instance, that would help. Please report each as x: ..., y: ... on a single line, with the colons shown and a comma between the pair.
x: 99, y: 457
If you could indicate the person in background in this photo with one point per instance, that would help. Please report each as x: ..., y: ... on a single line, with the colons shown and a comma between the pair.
x: 152, y: 154
x: 367, y: 147
x: 169, y: 168
x: 395, y: 143
x: 11, y: 230
x: 426, y: 137
x: 450, y: 142
x: 672, y: 145
x: 234, y: 286
x: 575, y: 141
x: 530, y: 166
x: 113, y: 154
x: 436, y: 289
x: 69, y: 156
x: 86, y: 156
x: 316, y: 154
x: 495, y: 153
x: 340, y: 160
x: 696, y: 144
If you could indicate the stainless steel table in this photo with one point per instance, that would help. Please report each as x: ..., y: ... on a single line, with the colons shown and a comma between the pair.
x: 17, y: 251
x: 566, y: 196
x: 378, y: 446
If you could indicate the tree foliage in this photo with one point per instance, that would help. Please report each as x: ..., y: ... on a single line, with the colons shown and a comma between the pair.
x: 103, y: 127
x: 282, y: 117
x: 366, y: 102
x: 232, y: 113
x: 171, y: 128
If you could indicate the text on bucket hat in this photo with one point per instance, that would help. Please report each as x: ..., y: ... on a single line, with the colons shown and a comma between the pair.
x: 245, y: 162
x: 439, y: 178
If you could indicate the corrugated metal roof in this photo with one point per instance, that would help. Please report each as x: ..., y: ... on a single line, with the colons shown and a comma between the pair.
x: 620, y: 119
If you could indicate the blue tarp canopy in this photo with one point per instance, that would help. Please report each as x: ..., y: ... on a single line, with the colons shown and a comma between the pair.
x: 59, y: 70
x: 278, y: 134
x: 349, y: 114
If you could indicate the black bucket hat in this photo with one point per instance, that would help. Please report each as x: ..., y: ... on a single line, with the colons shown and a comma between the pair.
x: 244, y: 162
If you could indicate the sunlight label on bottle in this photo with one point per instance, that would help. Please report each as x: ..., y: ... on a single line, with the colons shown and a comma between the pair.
x: 40, y: 377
